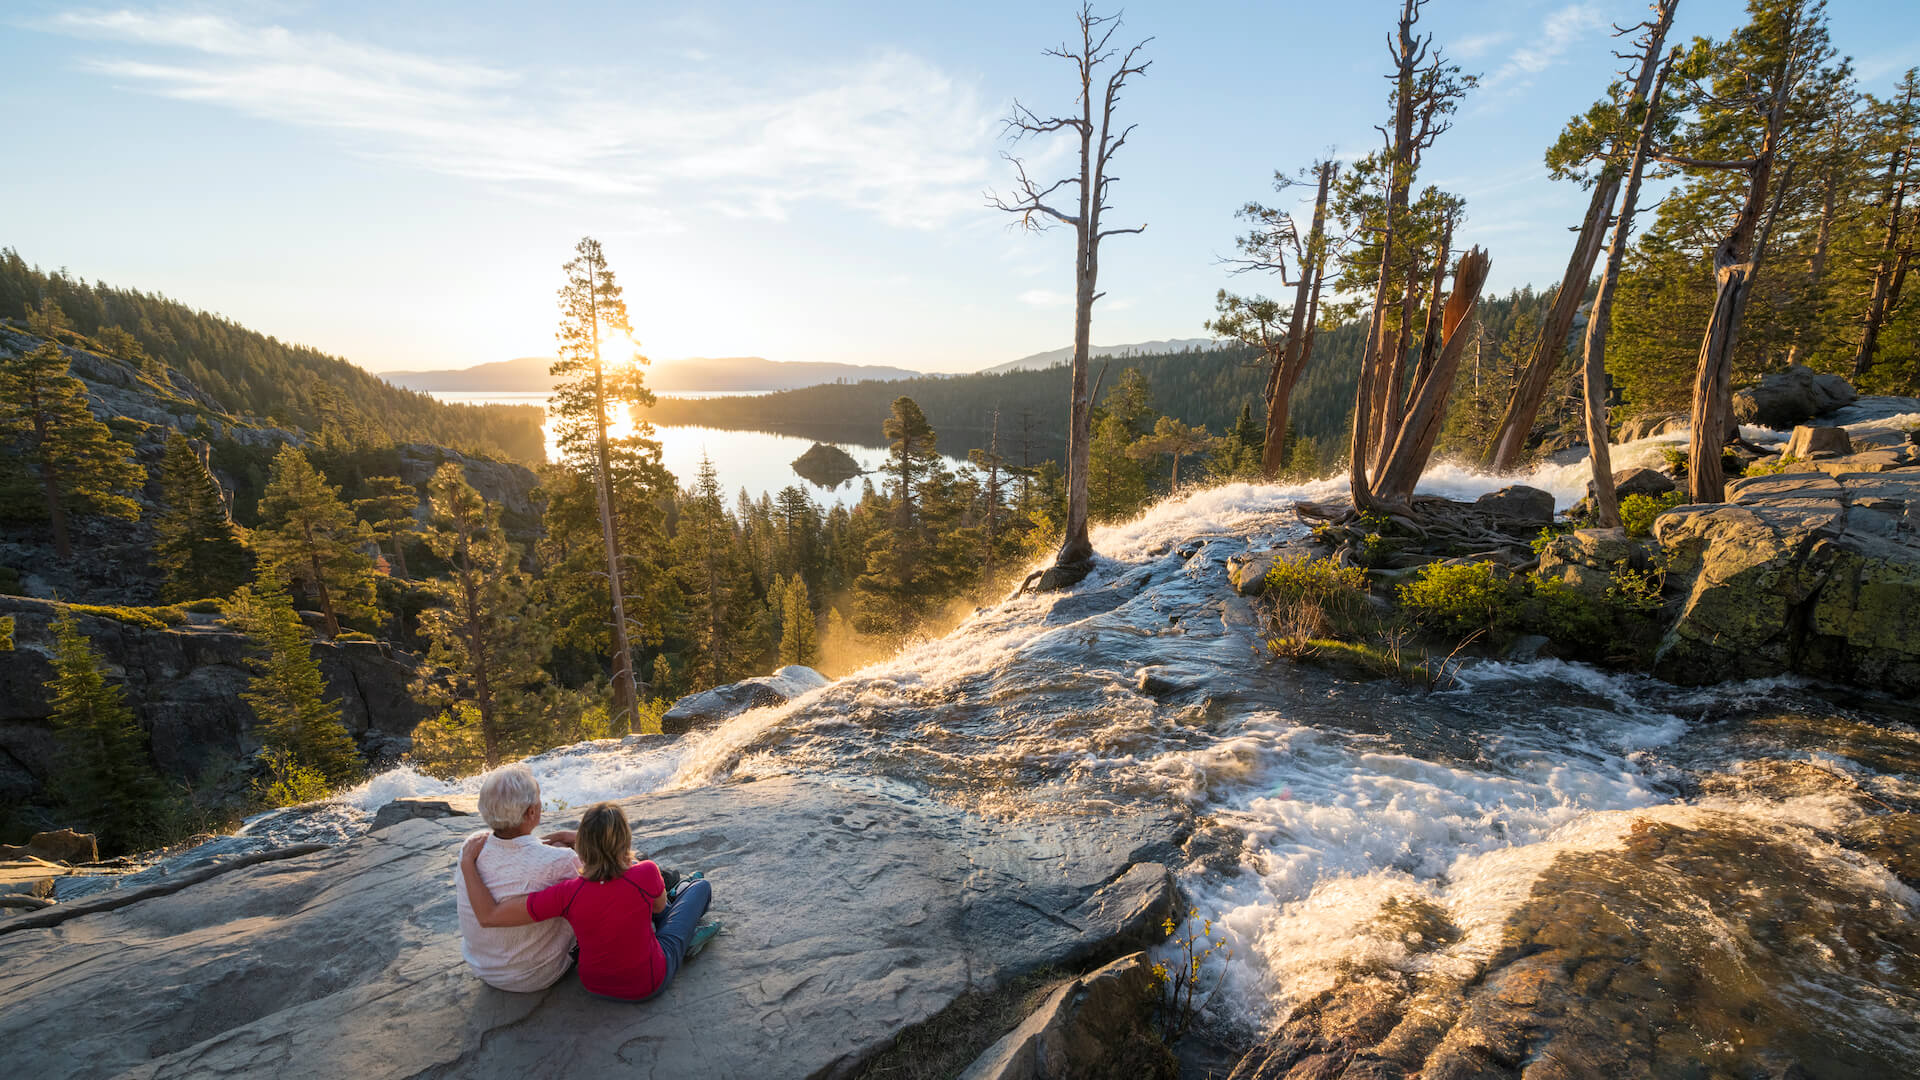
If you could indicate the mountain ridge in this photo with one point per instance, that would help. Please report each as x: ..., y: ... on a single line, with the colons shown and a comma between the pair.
x: 528, y: 374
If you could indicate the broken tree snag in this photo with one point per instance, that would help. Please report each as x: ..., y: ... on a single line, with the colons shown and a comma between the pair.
x: 1523, y: 406
x: 1606, y: 502
x: 1413, y: 443
x: 1712, y: 381
x: 1292, y: 360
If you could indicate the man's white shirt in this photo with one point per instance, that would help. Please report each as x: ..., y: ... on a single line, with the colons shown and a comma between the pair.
x: 518, y: 958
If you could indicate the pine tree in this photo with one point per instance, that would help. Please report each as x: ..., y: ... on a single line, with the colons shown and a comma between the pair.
x: 388, y: 510
x: 104, y: 775
x: 799, y: 644
x: 308, y: 536
x: 1117, y: 484
x: 486, y: 630
x: 1173, y: 438
x: 81, y: 467
x: 196, y: 544
x: 299, y: 728
x: 595, y: 392
x: 715, y: 580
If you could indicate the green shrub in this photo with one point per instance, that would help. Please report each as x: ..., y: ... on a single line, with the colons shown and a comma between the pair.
x: 146, y: 618
x: 1335, y: 586
x: 1570, y: 615
x: 1462, y: 597
x: 1781, y: 464
x: 1638, y: 511
x: 1676, y: 459
x: 353, y: 635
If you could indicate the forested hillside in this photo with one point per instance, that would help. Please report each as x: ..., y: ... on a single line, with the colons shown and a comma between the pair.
x: 253, y: 374
x: 1197, y: 386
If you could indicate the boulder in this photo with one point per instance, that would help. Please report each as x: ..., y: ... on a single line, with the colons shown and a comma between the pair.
x: 65, y: 846
x: 1637, y: 481
x: 1800, y: 572
x: 1528, y: 505
x: 428, y: 807
x: 1808, y: 442
x: 1646, y: 427
x: 1092, y: 1026
x: 1586, y: 558
x: 1247, y: 571
x: 346, y: 961
x: 709, y: 707
x: 1785, y: 398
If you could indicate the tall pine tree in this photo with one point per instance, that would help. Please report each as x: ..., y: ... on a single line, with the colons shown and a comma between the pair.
x: 79, y: 464
x: 104, y: 775
x: 196, y: 545
x: 300, y: 729
x: 487, y: 631
x: 308, y: 536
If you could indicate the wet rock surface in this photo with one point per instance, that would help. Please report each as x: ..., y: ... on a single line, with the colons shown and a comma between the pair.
x: 710, y: 707
x: 851, y: 912
x: 1701, y: 944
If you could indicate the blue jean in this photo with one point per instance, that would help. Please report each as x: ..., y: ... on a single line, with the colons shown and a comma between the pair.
x: 675, y: 930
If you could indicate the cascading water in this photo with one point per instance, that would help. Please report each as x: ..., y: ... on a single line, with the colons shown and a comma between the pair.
x: 1348, y: 833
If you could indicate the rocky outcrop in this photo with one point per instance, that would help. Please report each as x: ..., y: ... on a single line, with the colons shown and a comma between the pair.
x: 1798, y: 572
x: 1587, y: 558
x: 1091, y: 1026
x: 429, y: 808
x: 851, y: 913
x: 59, y: 845
x: 1786, y: 398
x: 500, y: 483
x: 184, y: 686
x: 709, y: 707
x: 1646, y: 427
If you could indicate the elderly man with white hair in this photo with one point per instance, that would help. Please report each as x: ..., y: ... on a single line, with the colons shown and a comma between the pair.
x: 515, y: 863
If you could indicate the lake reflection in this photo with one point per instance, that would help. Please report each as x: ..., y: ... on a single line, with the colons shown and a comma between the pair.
x: 757, y: 461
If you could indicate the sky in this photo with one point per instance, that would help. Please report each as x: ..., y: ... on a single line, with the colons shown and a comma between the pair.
x: 400, y: 184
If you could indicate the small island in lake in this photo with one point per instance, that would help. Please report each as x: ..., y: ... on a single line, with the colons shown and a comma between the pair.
x: 827, y: 465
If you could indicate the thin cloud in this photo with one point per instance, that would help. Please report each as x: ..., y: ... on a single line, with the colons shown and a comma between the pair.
x: 892, y: 135
x: 1562, y: 29
x: 1045, y: 298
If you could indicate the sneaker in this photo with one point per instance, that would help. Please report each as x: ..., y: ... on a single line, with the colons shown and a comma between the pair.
x: 681, y: 886
x: 702, y: 934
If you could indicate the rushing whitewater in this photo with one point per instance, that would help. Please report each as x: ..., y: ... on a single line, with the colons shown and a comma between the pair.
x: 1326, y: 810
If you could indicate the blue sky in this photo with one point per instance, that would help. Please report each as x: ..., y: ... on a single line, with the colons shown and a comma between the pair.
x: 399, y: 183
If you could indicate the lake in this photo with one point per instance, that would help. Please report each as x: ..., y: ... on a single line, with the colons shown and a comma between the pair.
x: 757, y: 461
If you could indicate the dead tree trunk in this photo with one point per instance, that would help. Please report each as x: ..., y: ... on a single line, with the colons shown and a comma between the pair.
x: 1892, y: 262
x: 1523, y: 406
x: 1298, y: 350
x: 1606, y: 502
x: 1409, y: 52
x: 1413, y: 441
x: 1098, y: 145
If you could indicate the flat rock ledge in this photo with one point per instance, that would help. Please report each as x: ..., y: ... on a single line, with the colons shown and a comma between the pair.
x: 851, y: 913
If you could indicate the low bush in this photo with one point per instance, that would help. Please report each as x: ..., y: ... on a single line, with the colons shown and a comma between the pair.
x: 1638, y: 511
x: 353, y: 635
x: 1308, y: 599
x: 1783, y: 463
x: 1461, y: 598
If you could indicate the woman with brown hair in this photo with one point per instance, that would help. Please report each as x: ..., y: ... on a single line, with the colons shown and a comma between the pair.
x: 611, y: 907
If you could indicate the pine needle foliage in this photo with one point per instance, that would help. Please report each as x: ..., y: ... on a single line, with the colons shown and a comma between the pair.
x: 104, y: 776
x: 78, y: 464
x: 288, y: 693
x: 197, y: 546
